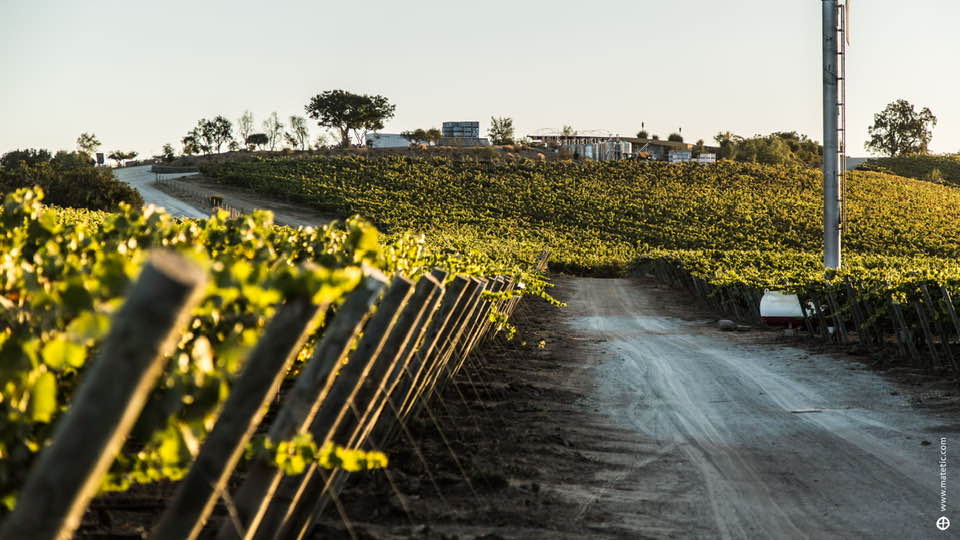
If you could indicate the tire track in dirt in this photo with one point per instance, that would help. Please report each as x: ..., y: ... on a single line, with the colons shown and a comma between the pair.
x: 786, y: 445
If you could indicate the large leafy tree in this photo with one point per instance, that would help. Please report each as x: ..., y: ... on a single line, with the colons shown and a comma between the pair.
x: 207, y: 136
x: 900, y: 129
x: 501, y: 130
x: 88, y: 143
x: 348, y: 112
x: 193, y: 142
x: 67, y: 179
x: 216, y: 132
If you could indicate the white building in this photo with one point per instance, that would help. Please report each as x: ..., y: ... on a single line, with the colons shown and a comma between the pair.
x: 387, y: 140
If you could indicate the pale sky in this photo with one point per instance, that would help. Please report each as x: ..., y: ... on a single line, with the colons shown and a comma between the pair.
x: 140, y: 74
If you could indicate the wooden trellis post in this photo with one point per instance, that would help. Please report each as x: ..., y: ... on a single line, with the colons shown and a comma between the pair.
x: 111, y: 395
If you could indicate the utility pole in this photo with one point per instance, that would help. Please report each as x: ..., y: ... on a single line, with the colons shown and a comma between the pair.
x: 832, y: 194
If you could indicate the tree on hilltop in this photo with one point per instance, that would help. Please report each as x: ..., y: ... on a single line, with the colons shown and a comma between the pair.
x: 30, y: 156
x: 257, y: 139
x: 88, y: 144
x: 245, y: 125
x: 420, y: 135
x: 217, y: 132
x: 416, y: 136
x: 299, y: 135
x: 273, y: 128
x: 899, y: 129
x: 350, y: 113
x: 501, y: 130
x: 207, y: 136
x: 120, y: 157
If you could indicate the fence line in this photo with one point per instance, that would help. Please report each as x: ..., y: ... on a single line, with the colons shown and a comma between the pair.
x: 197, y: 197
x: 370, y: 372
x: 921, y: 324
x: 68, y: 472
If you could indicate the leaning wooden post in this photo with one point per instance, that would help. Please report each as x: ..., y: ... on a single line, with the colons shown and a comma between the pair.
x: 349, y: 398
x: 908, y: 337
x: 381, y: 382
x: 319, y: 384
x: 841, y: 325
x: 403, y: 385
x: 423, y: 357
x: 460, y: 339
x: 951, y: 309
x: 935, y: 317
x: 455, y: 340
x: 111, y: 395
x: 249, y: 398
x: 927, y: 335
x: 443, y: 347
x: 477, y: 326
x: 864, y: 335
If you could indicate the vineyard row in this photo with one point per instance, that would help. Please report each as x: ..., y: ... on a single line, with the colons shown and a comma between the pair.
x: 917, y: 316
x: 417, y: 338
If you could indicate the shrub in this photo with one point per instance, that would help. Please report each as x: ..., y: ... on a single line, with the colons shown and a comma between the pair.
x: 675, y: 137
x: 487, y: 153
x: 935, y: 176
x: 68, y: 179
x: 30, y: 156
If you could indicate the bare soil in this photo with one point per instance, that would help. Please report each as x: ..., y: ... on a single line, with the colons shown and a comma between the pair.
x: 535, y: 455
x: 198, y: 189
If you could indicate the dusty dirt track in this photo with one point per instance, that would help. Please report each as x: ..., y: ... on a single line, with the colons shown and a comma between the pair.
x: 747, y: 438
x: 639, y: 419
x: 142, y: 179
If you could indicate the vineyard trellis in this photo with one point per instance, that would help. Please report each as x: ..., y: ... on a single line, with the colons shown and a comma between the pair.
x: 208, y: 202
x: 411, y: 346
x: 917, y: 317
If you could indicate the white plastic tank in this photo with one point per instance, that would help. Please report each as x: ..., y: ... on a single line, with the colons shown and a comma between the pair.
x: 780, y: 309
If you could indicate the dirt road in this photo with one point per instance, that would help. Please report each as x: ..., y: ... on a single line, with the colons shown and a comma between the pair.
x: 743, y: 437
x: 142, y: 179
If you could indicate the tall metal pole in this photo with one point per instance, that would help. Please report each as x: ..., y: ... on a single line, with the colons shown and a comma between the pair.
x: 831, y: 114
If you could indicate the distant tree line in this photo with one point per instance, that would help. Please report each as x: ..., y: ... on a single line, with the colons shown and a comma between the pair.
x: 779, y: 148
x: 423, y: 136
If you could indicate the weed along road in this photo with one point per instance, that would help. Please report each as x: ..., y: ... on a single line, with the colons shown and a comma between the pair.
x: 142, y: 179
x: 745, y: 437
